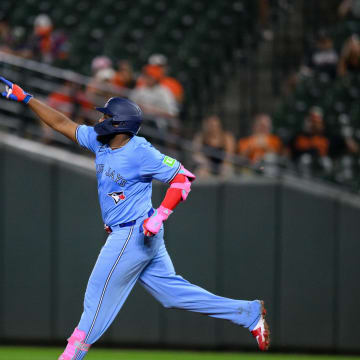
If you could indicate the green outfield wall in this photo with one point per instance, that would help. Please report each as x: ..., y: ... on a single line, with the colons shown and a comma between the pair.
x: 294, y: 244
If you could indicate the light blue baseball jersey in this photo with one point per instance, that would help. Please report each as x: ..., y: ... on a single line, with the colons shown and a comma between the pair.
x: 125, y: 175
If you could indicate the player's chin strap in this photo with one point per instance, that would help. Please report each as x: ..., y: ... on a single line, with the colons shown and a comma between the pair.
x: 186, y: 185
x: 75, y: 344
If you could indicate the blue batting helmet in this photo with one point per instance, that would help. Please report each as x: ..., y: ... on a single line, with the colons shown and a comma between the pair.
x: 125, y: 117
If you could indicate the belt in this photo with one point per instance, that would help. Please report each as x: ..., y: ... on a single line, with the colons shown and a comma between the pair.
x: 109, y: 229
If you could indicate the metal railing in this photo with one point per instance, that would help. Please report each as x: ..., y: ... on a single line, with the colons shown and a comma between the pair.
x: 42, y: 79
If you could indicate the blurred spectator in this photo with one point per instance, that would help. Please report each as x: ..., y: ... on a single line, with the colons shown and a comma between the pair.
x: 323, y: 58
x: 6, y: 37
x: 213, y: 146
x: 343, y: 142
x: 261, y: 141
x: 155, y: 99
x: 314, y: 146
x: 19, y: 42
x: 124, y: 76
x: 13, y: 40
x: 101, y: 85
x: 46, y: 44
x: 350, y: 56
x: 99, y: 63
x: 169, y: 82
x: 290, y: 82
x: 349, y: 8
x: 264, y: 14
x: 71, y: 101
x: 309, y: 149
x: 312, y: 140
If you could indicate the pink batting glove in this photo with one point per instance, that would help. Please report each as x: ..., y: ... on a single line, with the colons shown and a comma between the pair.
x: 152, y: 225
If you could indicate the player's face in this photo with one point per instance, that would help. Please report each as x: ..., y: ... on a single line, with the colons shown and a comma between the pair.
x: 105, y: 139
x: 104, y: 117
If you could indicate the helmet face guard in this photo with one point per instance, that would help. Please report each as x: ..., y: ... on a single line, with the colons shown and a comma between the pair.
x: 125, y: 117
x: 113, y: 126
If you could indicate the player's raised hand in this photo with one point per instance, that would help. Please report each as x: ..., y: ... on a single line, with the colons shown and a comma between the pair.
x: 14, y: 92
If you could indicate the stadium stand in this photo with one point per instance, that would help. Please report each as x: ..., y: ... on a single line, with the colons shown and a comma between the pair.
x: 200, y: 38
x: 339, y: 100
x: 202, y: 41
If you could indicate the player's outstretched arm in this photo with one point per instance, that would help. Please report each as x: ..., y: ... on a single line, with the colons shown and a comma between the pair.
x: 54, y: 118
x: 48, y: 115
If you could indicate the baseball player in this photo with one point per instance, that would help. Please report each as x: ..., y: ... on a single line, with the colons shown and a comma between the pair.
x: 134, y: 251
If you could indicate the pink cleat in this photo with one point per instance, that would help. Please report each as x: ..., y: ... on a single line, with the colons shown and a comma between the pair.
x: 261, y: 331
x: 75, y: 344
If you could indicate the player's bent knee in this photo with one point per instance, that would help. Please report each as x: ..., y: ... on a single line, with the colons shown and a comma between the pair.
x: 76, y: 343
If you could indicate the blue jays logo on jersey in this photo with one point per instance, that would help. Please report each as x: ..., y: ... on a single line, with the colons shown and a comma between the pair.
x: 117, y: 196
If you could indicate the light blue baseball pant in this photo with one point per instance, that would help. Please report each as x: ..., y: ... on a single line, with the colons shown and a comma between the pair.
x: 127, y: 257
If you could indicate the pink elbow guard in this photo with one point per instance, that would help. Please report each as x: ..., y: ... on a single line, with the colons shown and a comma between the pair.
x: 185, y: 187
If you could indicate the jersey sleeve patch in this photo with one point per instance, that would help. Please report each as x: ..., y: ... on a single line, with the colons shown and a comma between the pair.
x: 156, y: 165
x: 169, y: 161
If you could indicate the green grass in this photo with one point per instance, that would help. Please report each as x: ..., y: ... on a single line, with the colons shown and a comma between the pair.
x: 33, y: 353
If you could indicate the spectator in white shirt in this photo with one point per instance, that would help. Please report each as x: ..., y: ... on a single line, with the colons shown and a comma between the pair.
x: 156, y: 100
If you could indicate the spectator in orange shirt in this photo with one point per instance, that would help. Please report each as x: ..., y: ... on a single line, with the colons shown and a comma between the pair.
x: 47, y: 44
x: 169, y: 82
x: 155, y: 99
x: 312, y: 140
x: 261, y: 142
x: 124, y: 75
x: 315, y: 141
x: 69, y: 99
